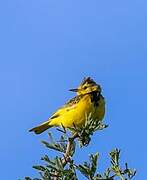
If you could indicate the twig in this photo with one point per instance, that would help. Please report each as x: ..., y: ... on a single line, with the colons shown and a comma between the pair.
x: 66, y: 156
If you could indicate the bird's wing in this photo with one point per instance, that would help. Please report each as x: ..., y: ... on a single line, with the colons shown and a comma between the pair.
x: 71, y: 104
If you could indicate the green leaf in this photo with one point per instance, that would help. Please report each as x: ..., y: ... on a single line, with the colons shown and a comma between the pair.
x: 89, y: 169
x: 93, y: 159
x: 59, y: 164
x: 28, y: 178
x: 54, y: 146
x: 40, y: 168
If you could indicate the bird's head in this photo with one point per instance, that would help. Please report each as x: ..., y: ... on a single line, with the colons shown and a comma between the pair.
x: 88, y: 85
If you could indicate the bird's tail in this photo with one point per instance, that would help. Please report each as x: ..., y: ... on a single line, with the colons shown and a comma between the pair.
x: 41, y: 128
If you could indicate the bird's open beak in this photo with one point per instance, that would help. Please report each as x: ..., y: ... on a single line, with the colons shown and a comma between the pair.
x: 73, y: 90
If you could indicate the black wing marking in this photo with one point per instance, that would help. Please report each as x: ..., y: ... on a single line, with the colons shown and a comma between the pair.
x: 54, y: 116
x: 73, y: 101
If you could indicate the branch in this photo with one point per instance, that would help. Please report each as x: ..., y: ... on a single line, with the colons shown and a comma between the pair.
x: 70, y: 147
x: 68, y: 153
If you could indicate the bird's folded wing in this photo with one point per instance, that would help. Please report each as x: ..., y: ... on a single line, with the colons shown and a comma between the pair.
x: 71, y: 104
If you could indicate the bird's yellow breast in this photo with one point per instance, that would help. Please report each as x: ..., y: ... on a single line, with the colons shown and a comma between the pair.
x: 76, y: 115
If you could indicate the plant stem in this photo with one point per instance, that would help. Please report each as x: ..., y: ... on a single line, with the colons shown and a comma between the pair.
x: 66, y: 156
x: 121, y: 177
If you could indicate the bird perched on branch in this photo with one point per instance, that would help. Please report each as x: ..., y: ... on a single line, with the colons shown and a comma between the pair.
x: 89, y: 100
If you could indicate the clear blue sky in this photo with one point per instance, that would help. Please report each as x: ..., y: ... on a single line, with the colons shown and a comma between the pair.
x: 47, y: 47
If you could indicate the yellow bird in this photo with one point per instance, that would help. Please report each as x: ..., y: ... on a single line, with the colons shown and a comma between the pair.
x: 89, y: 100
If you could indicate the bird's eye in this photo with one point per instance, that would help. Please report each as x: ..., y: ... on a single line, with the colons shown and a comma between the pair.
x: 85, y: 87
